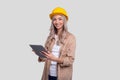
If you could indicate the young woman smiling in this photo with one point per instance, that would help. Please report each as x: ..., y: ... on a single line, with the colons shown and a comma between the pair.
x: 60, y: 45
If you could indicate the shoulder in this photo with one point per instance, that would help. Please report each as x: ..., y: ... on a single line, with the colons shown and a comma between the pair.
x: 70, y: 36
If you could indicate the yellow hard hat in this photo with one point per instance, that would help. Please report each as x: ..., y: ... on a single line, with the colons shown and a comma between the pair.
x: 58, y: 10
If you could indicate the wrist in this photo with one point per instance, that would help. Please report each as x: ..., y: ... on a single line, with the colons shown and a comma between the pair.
x: 58, y: 60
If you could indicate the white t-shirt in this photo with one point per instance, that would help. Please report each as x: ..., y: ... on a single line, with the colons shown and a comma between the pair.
x: 55, y: 51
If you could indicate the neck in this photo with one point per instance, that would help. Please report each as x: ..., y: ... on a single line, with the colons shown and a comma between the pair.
x: 59, y: 31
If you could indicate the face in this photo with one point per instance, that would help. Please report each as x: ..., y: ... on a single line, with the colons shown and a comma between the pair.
x: 58, y: 21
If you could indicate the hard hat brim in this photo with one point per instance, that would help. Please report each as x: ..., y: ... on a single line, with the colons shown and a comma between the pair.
x: 52, y: 14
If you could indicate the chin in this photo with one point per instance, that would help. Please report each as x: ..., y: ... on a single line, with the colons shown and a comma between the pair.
x: 57, y: 28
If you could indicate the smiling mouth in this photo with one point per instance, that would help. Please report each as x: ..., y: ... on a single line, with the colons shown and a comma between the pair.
x: 57, y: 25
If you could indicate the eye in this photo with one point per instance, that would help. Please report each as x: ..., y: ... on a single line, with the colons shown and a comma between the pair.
x: 60, y: 18
x: 54, y: 19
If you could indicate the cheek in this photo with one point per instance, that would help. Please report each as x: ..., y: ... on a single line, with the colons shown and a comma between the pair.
x: 53, y: 22
x: 62, y: 23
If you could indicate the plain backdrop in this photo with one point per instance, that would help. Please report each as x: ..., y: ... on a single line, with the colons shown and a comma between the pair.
x: 95, y: 23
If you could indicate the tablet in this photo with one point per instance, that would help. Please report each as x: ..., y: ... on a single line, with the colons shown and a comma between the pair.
x: 38, y: 49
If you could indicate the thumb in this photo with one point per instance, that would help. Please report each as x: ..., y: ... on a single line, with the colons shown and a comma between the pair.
x: 48, y: 52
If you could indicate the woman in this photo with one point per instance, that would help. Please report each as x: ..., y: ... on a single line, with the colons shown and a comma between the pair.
x: 60, y: 45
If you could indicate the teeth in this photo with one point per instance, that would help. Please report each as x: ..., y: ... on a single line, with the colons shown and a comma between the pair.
x: 57, y: 25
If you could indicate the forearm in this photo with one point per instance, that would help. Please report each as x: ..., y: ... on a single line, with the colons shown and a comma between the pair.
x: 58, y: 60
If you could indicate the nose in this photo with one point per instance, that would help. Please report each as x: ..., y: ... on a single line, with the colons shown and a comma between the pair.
x: 57, y: 21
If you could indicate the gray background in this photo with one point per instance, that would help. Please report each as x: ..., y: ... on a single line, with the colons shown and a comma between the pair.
x: 95, y: 23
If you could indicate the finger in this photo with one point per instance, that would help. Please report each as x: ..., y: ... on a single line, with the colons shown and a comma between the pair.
x: 44, y: 53
x: 48, y: 52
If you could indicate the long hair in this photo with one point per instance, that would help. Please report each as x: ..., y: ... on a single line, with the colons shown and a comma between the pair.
x: 53, y: 31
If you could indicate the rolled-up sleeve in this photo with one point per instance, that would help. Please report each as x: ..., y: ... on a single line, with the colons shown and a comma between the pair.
x: 68, y: 59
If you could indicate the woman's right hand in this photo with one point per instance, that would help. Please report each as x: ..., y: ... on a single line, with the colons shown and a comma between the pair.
x: 41, y: 59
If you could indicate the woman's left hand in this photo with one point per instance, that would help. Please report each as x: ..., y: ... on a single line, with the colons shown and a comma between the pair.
x: 49, y: 56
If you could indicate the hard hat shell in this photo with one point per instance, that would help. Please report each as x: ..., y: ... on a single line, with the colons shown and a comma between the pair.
x: 58, y: 10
